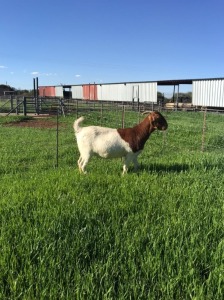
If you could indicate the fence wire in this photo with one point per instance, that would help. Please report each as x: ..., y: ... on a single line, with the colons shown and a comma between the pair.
x: 43, y: 142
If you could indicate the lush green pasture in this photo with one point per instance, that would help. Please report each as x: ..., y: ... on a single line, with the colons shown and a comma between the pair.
x: 155, y: 234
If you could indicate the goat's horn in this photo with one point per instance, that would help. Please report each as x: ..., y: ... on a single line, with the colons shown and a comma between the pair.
x: 146, y: 112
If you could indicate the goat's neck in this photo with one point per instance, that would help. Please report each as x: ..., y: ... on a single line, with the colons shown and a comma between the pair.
x: 144, y: 130
x: 138, y: 135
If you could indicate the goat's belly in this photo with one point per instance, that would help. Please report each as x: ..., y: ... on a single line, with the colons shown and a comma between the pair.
x: 112, y: 155
x: 113, y: 152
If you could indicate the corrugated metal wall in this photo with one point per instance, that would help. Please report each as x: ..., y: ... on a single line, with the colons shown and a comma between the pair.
x: 128, y: 92
x: 208, y: 93
x: 59, y: 91
x: 148, y: 92
x: 205, y: 92
x: 117, y: 92
x: 77, y: 92
x: 114, y: 92
x: 46, y: 91
x: 90, y: 91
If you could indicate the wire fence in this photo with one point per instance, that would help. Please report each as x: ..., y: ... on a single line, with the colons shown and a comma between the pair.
x: 52, y: 105
x: 11, y: 104
x: 46, y: 141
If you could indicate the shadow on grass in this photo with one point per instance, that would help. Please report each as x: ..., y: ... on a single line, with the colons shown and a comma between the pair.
x: 178, y: 168
x: 158, y: 168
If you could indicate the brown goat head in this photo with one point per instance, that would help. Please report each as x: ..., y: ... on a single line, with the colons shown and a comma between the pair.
x: 158, y: 121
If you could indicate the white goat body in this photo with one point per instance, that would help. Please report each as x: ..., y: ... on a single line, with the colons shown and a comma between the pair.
x: 113, y: 143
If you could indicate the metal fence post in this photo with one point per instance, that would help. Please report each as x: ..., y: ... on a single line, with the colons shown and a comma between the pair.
x: 139, y: 116
x: 77, y: 108
x: 101, y: 114
x: 123, y: 115
x: 11, y: 100
x: 24, y: 106
x: 57, y: 137
x: 203, y: 131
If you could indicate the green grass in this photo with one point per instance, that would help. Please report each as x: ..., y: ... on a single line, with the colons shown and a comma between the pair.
x: 155, y: 234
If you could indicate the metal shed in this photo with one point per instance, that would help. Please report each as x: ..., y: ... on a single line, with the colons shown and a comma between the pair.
x: 131, y: 91
x: 208, y: 93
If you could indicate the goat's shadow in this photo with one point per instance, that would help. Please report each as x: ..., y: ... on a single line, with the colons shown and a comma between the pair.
x: 177, y: 168
x: 161, y: 168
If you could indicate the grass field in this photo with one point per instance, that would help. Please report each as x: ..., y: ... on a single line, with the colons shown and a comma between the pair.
x: 155, y: 234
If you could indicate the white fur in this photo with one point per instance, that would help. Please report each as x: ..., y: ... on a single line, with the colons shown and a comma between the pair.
x: 104, y: 142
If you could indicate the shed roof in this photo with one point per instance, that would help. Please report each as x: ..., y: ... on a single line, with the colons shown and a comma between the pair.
x: 159, y: 82
x: 175, y: 82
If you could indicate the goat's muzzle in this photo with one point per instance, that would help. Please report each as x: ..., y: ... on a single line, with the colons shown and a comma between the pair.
x: 162, y: 127
x: 162, y: 123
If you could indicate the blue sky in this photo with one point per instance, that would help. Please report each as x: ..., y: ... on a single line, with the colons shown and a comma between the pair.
x: 74, y: 42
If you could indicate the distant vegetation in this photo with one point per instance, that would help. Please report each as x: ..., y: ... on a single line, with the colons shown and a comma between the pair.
x: 182, y: 97
x: 6, y: 89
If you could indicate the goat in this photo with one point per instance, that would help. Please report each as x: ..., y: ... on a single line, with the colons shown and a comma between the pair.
x: 125, y: 143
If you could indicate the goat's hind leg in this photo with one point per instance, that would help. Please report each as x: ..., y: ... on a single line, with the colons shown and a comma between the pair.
x: 82, y: 162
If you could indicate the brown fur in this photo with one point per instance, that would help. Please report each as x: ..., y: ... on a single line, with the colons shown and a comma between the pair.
x: 137, y: 136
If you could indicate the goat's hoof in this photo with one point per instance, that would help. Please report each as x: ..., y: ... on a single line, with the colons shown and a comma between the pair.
x: 82, y: 171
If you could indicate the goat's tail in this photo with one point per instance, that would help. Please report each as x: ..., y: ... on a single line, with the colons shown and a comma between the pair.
x: 77, y: 123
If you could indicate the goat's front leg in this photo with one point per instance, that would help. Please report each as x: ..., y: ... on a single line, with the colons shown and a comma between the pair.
x: 127, y: 161
x: 136, y: 164
x: 125, y: 169
x: 135, y: 160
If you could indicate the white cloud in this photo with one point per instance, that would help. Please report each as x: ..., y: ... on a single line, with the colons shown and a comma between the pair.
x: 77, y: 75
x: 43, y: 74
x: 35, y: 73
x: 49, y: 74
x: 3, y: 67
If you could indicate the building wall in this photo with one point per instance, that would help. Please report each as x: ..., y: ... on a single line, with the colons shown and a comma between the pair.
x: 148, y: 92
x: 208, y: 93
x: 46, y: 91
x: 90, y: 92
x: 205, y: 92
x: 59, y: 91
x: 128, y: 92
x: 77, y: 92
x: 114, y: 92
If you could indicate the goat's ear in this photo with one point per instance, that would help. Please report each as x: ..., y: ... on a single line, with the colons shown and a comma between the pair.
x: 153, y: 117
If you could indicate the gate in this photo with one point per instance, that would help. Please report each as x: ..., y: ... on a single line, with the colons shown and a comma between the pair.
x: 32, y: 105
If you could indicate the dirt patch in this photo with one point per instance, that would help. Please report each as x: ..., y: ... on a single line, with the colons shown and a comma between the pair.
x: 35, y: 123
